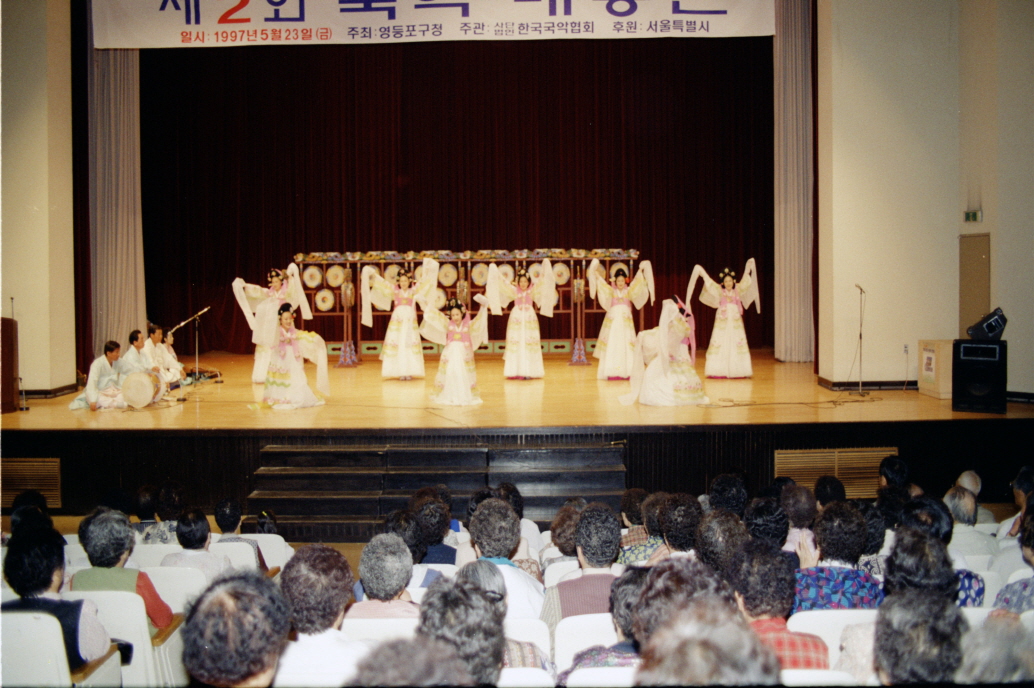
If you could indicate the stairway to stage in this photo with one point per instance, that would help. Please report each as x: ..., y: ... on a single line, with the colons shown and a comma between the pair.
x: 342, y: 493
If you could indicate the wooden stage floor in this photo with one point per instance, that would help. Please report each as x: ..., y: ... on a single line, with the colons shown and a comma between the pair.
x: 569, y: 396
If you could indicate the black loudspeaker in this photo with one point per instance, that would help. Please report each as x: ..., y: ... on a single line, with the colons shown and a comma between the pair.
x: 978, y: 376
x: 990, y: 326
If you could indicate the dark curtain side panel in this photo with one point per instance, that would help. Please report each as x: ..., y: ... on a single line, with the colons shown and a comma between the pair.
x: 253, y: 154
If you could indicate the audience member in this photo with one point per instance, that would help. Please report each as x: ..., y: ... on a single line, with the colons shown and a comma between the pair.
x: 890, y: 501
x: 34, y: 567
x: 763, y: 583
x: 719, y: 535
x: 146, y: 507
x: 707, y: 643
x: 965, y: 538
x: 872, y: 561
x: 385, y: 567
x: 651, y: 511
x: 828, y: 577
x: 495, y: 533
x: 775, y: 490
x: 459, y: 613
x: 1000, y: 651
x: 672, y: 584
x: 265, y: 524
x: 1022, y: 489
x: 829, y: 489
x: 519, y: 653
x: 632, y: 517
x: 893, y: 472
x: 918, y: 638
x: 228, y: 516
x: 29, y: 518
x: 624, y: 596
x: 195, y: 536
x: 108, y: 540
x: 597, y: 540
x: 801, y: 509
x: 561, y: 531
x: 971, y: 481
x: 403, y: 523
x: 680, y: 515
x: 1018, y: 597
x: 932, y: 516
x: 428, y: 663
x: 235, y: 631
x: 465, y: 551
x: 316, y: 583
x: 728, y: 492
x: 509, y: 493
x: 170, y: 504
x: 433, y: 517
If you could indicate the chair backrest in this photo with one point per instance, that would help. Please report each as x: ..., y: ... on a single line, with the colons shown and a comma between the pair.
x: 525, y: 677
x: 177, y: 585
x: 75, y: 556
x: 275, y: 549
x: 151, y: 555
x: 462, y: 536
x: 816, y: 677
x: 240, y: 554
x: 602, y: 677
x: 71, y: 538
x: 1027, y: 619
x: 992, y: 584
x: 379, y: 630
x: 447, y: 570
x: 554, y: 572
x: 576, y: 633
x: 979, y: 562
x: 829, y: 624
x: 1020, y: 574
x: 33, y: 651
x: 989, y: 528
x: 550, y: 552
x: 7, y: 594
x: 976, y: 616
x: 122, y: 615
x: 417, y: 594
x: 529, y: 630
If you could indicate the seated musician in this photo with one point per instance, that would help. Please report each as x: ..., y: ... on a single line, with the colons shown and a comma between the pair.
x: 103, y: 384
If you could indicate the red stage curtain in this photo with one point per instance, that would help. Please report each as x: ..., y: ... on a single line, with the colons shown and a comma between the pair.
x: 253, y: 154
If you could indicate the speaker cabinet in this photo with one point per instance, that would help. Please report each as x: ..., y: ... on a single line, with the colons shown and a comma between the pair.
x: 8, y: 365
x: 978, y: 376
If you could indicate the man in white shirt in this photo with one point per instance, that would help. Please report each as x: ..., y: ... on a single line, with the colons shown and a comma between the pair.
x: 195, y: 535
x: 134, y: 360
x: 965, y: 538
x: 495, y: 532
x: 103, y: 384
x: 317, y: 583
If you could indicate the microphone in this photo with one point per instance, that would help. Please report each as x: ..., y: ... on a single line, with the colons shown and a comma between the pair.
x: 857, y: 285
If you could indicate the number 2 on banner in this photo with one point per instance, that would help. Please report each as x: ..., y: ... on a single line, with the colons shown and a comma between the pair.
x: 227, y: 16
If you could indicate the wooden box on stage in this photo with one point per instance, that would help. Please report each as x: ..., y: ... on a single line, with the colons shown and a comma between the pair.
x: 935, y: 358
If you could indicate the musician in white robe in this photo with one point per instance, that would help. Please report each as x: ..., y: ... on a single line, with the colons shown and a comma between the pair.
x: 170, y: 361
x: 134, y: 360
x: 169, y: 371
x: 103, y: 384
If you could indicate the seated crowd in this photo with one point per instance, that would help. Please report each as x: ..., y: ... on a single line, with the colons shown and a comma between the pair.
x: 699, y: 590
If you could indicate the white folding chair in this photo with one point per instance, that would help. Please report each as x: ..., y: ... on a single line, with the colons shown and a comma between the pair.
x: 829, y: 624
x: 529, y: 630
x: 240, y: 554
x: 1020, y: 574
x: 979, y: 562
x: 75, y: 556
x: 602, y: 677
x: 447, y: 570
x: 6, y: 594
x: 275, y: 549
x: 144, y: 556
x: 550, y: 552
x: 417, y: 594
x: 462, y: 536
x: 576, y: 633
x: 177, y: 585
x: 554, y: 572
x: 989, y: 528
x: 379, y: 630
x: 34, y: 655
x: 976, y: 616
x: 992, y: 584
x: 157, y: 661
x: 816, y: 677
x: 71, y: 538
x: 525, y: 677
x: 1027, y: 619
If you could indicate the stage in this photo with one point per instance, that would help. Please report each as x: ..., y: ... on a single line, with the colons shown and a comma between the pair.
x: 213, y: 441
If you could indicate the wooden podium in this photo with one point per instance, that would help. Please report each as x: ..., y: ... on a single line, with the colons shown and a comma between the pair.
x: 8, y: 365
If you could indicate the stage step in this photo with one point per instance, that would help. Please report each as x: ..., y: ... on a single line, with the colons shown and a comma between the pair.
x: 325, y: 493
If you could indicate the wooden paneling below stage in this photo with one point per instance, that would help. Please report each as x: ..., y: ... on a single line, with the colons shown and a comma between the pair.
x: 211, y: 442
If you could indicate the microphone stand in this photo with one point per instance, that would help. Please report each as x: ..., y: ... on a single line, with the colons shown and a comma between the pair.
x: 861, y: 299
x: 197, y: 346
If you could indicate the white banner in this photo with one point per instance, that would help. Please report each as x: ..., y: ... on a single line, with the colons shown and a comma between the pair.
x: 222, y: 23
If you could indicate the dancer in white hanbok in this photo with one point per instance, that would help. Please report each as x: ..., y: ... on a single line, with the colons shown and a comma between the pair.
x: 402, y: 353
x: 103, y: 384
x: 523, y: 356
x: 286, y: 386
x: 663, y: 373
x: 728, y: 354
x: 261, y: 306
x: 615, y: 345
x: 456, y: 381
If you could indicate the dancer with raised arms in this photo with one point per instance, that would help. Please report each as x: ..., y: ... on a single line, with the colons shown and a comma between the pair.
x: 286, y: 386
x: 261, y: 306
x: 402, y: 354
x: 456, y: 381
x: 728, y: 354
x: 615, y: 346
x: 522, y: 359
